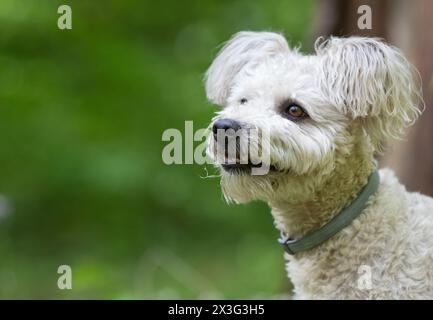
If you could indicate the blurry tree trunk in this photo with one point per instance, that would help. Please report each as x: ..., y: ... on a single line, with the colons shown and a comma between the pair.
x: 408, y: 25
x: 417, y: 162
x: 340, y: 18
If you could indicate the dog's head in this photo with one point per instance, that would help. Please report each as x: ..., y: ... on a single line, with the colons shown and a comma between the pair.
x: 308, y: 107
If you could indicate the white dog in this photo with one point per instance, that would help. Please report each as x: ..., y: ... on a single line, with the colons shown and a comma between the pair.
x: 349, y: 236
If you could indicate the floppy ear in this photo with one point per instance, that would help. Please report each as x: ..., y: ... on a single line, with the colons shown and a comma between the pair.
x: 241, y: 49
x: 368, y: 79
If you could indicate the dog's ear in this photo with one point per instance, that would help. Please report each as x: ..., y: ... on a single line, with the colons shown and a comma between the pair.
x: 241, y: 49
x: 371, y: 81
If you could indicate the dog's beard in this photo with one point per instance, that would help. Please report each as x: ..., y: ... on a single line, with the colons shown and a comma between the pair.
x: 240, y: 182
x: 242, y: 188
x: 280, y: 183
x: 275, y: 186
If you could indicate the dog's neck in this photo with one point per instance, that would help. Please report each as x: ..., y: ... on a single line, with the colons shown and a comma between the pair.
x: 299, y: 215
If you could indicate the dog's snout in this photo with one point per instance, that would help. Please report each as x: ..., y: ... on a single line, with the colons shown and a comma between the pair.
x: 225, y: 124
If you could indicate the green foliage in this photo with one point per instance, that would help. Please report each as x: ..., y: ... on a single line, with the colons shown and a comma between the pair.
x: 82, y: 112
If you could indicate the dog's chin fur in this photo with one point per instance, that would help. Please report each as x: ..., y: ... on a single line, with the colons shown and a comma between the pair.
x: 243, y: 187
x: 358, y: 92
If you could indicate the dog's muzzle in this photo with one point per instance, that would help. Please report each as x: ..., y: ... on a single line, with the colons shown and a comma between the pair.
x: 233, y: 145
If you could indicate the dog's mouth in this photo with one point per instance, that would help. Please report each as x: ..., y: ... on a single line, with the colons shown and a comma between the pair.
x: 239, y: 168
x: 233, y: 164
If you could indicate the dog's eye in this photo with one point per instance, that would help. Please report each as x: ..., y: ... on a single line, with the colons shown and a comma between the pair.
x: 243, y: 101
x: 295, y: 112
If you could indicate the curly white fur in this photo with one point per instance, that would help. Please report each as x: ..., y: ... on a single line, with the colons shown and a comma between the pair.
x: 357, y: 92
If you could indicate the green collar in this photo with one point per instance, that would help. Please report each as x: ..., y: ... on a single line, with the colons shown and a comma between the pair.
x: 338, y: 223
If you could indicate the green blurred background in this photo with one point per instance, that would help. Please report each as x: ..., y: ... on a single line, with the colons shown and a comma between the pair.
x: 82, y: 113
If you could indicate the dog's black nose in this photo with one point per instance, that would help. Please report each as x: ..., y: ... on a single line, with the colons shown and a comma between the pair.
x: 224, y: 124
